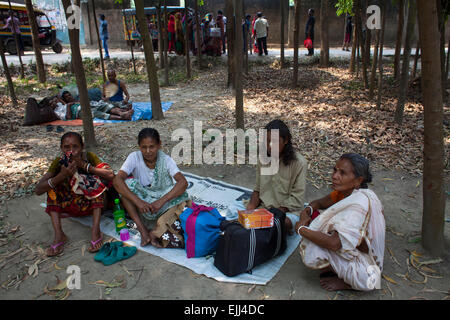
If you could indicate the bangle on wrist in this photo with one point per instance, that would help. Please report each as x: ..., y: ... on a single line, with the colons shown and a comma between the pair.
x: 311, y: 208
x: 50, y: 183
x: 299, y: 228
x: 87, y: 167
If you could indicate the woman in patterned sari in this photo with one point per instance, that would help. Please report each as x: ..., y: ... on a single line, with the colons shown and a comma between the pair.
x: 75, y: 185
x: 151, y: 194
x: 346, y: 241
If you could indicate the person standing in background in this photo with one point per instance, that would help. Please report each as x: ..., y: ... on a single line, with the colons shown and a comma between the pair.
x: 309, y: 30
x: 104, y: 35
x: 262, y: 31
x: 246, y: 32
x: 348, y: 33
x: 14, y: 25
x: 224, y: 19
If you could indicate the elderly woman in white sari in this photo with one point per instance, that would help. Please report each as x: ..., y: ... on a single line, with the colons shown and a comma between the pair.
x: 346, y: 241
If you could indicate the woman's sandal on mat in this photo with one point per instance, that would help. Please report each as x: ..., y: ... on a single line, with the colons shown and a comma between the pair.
x: 92, y: 249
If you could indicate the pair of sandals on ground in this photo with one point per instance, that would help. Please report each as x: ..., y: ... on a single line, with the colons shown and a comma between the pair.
x: 58, y: 248
x: 108, y: 253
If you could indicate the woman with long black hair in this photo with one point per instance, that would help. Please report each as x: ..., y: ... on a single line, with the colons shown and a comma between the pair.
x: 285, y: 189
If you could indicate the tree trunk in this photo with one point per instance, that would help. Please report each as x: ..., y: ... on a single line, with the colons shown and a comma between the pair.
x: 245, y: 36
x: 441, y: 22
x: 433, y: 161
x: 345, y: 30
x: 186, y: 44
x: 353, y: 55
x: 324, y: 44
x: 36, y: 43
x: 373, y: 72
x: 197, y: 36
x: 282, y: 24
x: 102, y: 62
x: 229, y: 11
x: 403, y: 88
x: 448, y: 60
x: 358, y: 56
x: 361, y: 43
x: 367, y: 44
x: 12, y: 94
x: 416, y: 60
x: 296, y: 39
x: 398, y: 45
x: 157, y: 113
x: 380, y: 59
x: 160, y: 37
x: 91, y: 42
x: 129, y: 39
x: 16, y: 39
x: 166, y: 45
x: 88, y: 125
x: 238, y: 57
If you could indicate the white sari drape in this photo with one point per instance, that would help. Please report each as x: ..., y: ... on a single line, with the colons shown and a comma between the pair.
x: 356, y: 218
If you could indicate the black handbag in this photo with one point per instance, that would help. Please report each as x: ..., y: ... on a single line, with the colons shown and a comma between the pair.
x: 240, y: 250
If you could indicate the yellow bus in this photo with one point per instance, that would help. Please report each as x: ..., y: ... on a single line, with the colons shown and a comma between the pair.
x: 130, y: 25
x: 47, y: 32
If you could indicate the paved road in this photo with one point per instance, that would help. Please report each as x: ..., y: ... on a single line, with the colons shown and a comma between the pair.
x: 50, y: 57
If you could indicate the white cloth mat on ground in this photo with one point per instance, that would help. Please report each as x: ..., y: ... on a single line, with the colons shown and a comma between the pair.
x: 221, y: 195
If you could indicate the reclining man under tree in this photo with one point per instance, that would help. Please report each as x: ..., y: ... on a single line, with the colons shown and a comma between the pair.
x: 67, y: 108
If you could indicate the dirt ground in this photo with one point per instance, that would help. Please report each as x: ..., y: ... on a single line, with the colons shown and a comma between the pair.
x: 27, y: 231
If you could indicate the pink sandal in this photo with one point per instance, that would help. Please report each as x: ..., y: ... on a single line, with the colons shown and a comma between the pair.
x: 54, y: 247
x: 93, y: 244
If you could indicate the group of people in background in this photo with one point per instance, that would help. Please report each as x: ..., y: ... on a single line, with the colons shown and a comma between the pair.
x: 213, y: 38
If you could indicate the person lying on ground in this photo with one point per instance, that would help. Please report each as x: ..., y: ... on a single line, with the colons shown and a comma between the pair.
x: 346, y: 241
x: 284, y: 189
x: 116, y: 98
x: 75, y: 187
x: 100, y: 109
x: 151, y: 195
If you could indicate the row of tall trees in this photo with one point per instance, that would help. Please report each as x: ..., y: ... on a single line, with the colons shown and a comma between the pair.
x: 431, y: 17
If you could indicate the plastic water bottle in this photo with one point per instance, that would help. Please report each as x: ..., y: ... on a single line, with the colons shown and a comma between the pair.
x: 119, y: 216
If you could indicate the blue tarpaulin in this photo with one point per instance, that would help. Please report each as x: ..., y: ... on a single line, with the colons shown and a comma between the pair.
x: 142, y: 111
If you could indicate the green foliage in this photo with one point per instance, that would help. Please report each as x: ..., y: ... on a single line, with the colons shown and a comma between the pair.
x: 344, y: 6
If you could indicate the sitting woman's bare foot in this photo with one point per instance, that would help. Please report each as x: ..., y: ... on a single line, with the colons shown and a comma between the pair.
x: 334, y: 284
x: 154, y: 240
x: 327, y: 273
x: 145, y: 240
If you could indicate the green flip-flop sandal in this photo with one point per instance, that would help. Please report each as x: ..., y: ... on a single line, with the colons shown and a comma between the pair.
x: 128, y: 252
x: 119, y: 253
x: 104, y: 251
x: 115, y: 256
